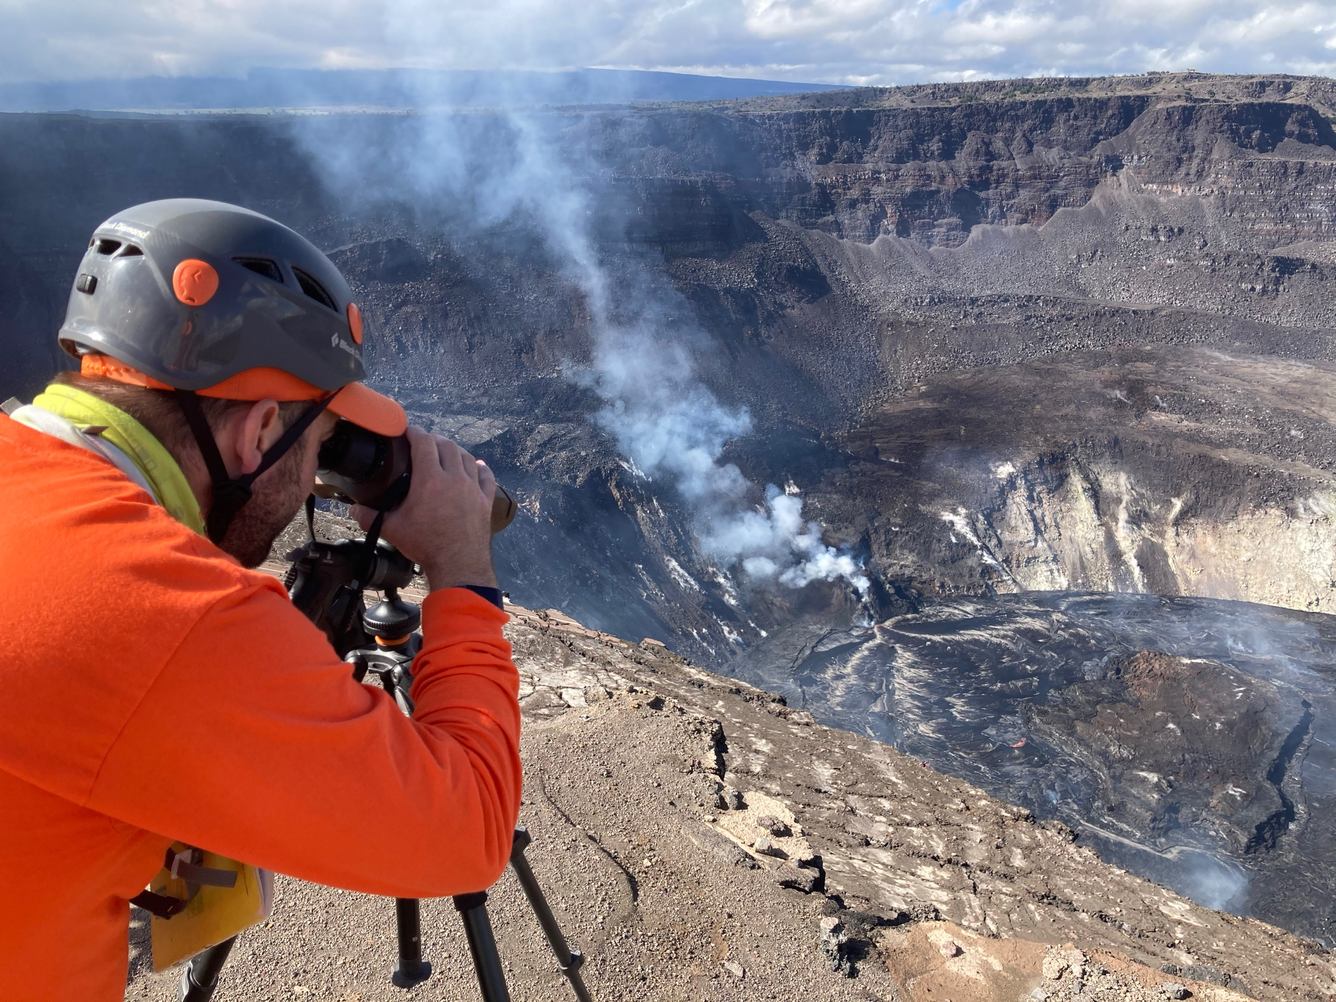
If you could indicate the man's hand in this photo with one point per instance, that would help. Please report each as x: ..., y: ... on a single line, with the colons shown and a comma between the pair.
x: 445, y: 523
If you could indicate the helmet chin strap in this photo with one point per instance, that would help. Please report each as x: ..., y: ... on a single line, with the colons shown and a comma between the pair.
x: 230, y: 494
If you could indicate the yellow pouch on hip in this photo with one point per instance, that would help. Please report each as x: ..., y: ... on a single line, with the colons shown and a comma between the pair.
x: 212, y: 912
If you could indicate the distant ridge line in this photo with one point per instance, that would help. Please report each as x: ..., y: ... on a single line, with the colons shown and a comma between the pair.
x: 388, y: 89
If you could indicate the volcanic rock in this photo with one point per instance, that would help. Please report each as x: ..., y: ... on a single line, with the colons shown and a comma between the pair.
x: 834, y: 942
x: 1202, y: 764
x: 800, y: 878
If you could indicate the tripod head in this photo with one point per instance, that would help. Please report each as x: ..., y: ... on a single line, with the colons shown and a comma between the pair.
x: 324, y: 585
x: 326, y: 582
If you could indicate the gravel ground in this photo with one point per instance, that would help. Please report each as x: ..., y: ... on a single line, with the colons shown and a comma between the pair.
x: 649, y: 785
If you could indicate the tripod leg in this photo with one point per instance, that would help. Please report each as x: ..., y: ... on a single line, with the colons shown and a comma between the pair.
x: 482, y: 944
x: 410, y: 969
x: 200, y: 977
x: 568, y: 961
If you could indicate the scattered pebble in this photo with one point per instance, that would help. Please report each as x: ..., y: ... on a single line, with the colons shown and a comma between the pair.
x: 767, y: 848
x: 1176, y: 991
x: 734, y: 968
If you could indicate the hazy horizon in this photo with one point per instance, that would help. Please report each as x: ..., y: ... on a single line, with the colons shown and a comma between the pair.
x: 843, y: 42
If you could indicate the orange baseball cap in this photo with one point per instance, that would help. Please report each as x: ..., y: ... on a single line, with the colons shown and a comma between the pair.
x: 356, y: 402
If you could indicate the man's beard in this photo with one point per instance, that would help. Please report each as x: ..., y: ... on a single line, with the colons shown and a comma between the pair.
x: 277, y: 497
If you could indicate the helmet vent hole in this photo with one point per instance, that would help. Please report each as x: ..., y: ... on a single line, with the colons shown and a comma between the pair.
x: 262, y: 266
x: 130, y: 250
x: 108, y: 247
x: 314, y: 289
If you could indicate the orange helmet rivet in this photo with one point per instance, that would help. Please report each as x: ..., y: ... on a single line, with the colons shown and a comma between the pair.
x: 194, y: 282
x: 355, y: 322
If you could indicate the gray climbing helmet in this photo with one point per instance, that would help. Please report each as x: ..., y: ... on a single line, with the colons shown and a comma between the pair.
x: 191, y: 293
x: 209, y: 299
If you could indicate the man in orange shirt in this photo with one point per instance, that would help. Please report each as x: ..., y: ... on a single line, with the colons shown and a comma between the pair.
x: 158, y: 689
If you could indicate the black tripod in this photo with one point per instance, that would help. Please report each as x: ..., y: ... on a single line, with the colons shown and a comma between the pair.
x: 326, y: 582
x: 200, y: 978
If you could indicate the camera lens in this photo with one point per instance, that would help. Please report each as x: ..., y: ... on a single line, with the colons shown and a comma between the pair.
x: 361, y: 467
x: 353, y: 453
x: 390, y: 569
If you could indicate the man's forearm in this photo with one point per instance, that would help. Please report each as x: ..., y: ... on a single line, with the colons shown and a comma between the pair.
x: 255, y: 742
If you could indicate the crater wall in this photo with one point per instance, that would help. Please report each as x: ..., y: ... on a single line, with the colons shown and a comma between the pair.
x: 857, y: 261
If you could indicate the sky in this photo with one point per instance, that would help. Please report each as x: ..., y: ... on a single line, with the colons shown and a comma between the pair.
x: 831, y: 41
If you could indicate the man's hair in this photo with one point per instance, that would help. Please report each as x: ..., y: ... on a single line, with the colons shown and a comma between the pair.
x: 158, y: 411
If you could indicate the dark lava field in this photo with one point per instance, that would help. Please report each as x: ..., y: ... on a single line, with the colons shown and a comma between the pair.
x: 1189, y: 740
x: 1051, y: 360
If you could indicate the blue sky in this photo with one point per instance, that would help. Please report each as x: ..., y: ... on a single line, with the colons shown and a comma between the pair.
x: 837, y: 41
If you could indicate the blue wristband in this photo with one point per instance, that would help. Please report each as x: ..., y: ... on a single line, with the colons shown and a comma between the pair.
x: 492, y: 595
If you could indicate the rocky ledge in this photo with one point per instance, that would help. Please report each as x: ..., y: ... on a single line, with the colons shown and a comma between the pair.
x: 700, y: 839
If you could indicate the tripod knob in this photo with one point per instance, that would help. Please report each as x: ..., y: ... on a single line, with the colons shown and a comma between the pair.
x: 393, y: 620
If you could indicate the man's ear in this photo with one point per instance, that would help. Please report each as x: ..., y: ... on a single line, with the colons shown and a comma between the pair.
x: 258, y: 429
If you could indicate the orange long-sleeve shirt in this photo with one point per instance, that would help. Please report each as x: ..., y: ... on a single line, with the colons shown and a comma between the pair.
x: 152, y: 690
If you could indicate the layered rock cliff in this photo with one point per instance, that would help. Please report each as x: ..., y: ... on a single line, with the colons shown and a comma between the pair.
x: 1176, y: 471
x: 846, y: 252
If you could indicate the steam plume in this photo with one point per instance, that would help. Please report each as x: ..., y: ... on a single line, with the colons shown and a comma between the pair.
x: 666, y: 420
x: 656, y: 407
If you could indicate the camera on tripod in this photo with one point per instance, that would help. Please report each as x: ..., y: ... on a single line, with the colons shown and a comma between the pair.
x: 327, y: 581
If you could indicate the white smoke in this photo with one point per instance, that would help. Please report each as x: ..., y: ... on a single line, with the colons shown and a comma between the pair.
x: 668, y: 422
x: 663, y: 417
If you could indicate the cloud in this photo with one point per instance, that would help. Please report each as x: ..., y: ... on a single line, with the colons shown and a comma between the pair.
x: 839, y: 41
